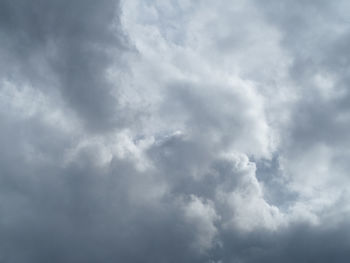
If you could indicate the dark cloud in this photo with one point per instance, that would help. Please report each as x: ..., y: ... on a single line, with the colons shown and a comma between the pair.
x: 66, y: 46
x: 297, y: 243
x: 80, y: 212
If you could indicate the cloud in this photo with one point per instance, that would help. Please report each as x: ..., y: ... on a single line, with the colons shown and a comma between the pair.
x: 314, y: 138
x: 173, y: 131
x: 66, y: 48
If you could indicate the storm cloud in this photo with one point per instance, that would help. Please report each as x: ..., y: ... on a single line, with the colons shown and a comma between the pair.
x: 174, y: 131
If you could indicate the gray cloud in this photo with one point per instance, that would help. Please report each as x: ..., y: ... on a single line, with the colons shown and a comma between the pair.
x: 66, y: 47
x: 314, y: 35
x: 240, y: 154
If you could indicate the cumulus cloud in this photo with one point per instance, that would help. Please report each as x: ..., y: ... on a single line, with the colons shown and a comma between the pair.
x: 174, y: 131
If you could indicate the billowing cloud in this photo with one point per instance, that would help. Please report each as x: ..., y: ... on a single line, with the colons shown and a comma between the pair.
x: 174, y: 131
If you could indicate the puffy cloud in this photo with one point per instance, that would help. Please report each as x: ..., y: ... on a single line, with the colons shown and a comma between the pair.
x: 173, y: 131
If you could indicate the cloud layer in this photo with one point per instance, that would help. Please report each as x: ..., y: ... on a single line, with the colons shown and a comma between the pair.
x: 174, y: 131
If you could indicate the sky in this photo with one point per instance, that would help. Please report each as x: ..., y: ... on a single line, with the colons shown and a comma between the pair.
x: 171, y: 131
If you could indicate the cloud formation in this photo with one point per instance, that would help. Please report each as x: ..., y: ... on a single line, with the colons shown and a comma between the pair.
x: 174, y: 131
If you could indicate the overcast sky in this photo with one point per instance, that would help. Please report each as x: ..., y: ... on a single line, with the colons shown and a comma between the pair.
x: 174, y: 131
